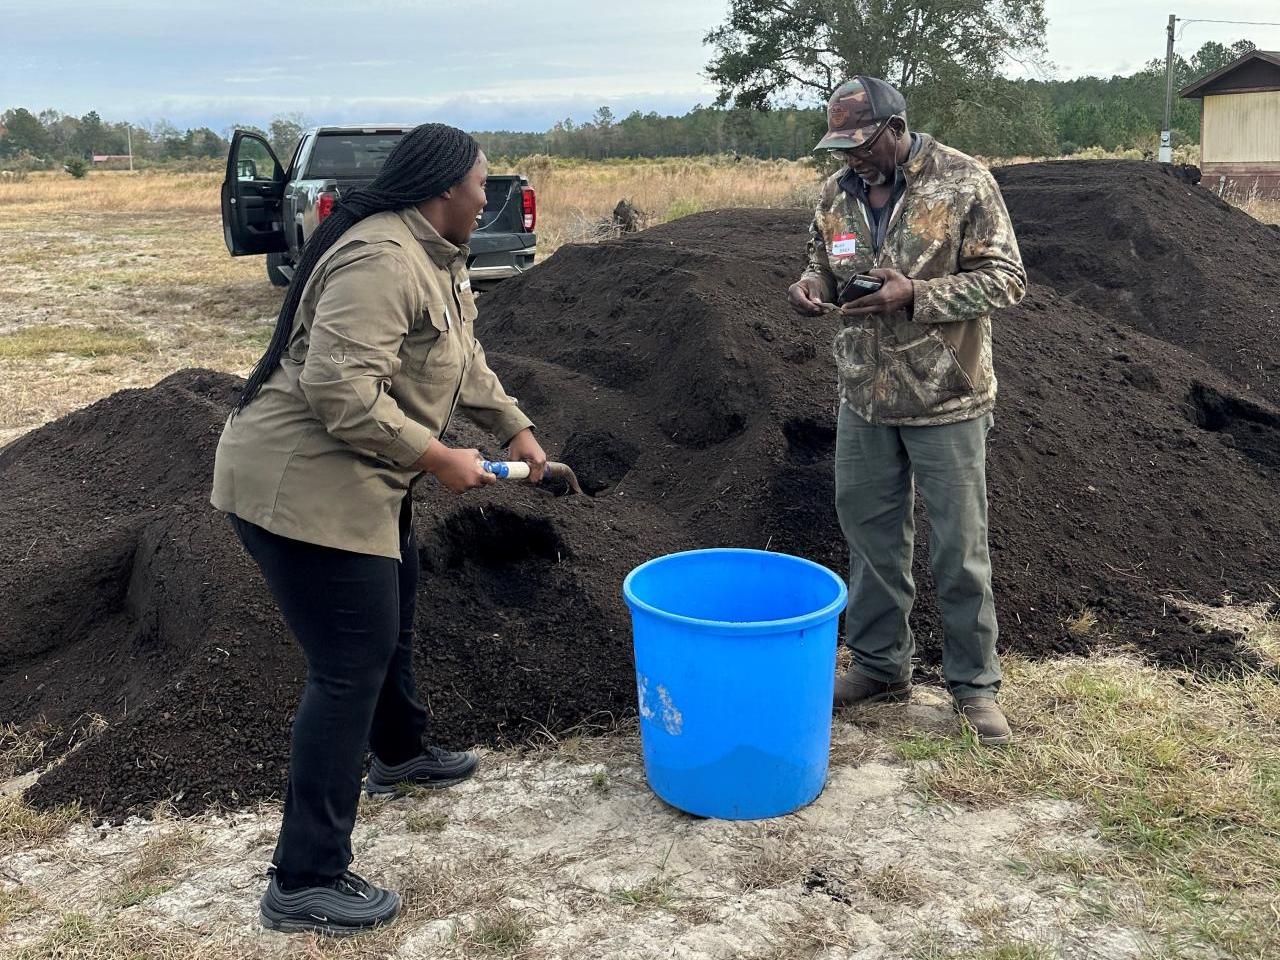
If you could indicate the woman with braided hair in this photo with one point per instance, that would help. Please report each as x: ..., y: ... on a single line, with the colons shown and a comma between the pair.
x: 373, y: 351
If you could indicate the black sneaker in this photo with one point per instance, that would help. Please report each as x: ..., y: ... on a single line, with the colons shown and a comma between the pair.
x: 434, y: 767
x: 345, y: 905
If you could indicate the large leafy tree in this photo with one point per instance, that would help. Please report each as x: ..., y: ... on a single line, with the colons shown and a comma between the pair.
x: 1214, y: 56
x: 286, y: 131
x: 945, y: 55
x: 23, y: 134
x: 91, y: 135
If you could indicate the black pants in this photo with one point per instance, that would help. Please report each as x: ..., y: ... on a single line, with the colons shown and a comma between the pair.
x: 353, y: 615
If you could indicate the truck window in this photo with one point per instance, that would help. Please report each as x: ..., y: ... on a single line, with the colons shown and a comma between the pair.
x: 350, y: 155
x: 255, y: 162
x: 293, y: 163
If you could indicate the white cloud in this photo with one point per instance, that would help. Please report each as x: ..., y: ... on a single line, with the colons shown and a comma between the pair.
x: 264, y: 78
x: 488, y: 62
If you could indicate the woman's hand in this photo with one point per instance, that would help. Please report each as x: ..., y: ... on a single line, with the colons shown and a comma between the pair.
x: 524, y: 447
x: 458, y: 469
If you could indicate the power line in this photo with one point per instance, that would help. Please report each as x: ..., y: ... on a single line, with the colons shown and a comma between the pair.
x: 1166, y: 134
x: 1240, y: 23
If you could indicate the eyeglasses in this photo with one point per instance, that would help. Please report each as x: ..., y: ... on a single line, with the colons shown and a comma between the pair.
x: 864, y: 149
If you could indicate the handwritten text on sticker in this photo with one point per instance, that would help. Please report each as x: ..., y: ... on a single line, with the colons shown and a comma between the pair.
x: 844, y: 245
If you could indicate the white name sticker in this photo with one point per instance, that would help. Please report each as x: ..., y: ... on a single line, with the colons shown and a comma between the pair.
x: 844, y: 245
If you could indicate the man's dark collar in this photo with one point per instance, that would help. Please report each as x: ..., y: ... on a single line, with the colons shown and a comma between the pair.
x: 856, y: 187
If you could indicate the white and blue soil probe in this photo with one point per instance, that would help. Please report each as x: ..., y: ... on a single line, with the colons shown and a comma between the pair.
x: 519, y: 470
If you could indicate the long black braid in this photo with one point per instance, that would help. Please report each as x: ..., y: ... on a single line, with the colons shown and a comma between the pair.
x: 427, y: 161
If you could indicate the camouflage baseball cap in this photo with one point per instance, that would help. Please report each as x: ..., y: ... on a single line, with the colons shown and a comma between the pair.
x: 856, y: 111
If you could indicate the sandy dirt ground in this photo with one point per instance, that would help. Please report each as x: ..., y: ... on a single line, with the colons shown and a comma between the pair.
x: 562, y: 851
x: 567, y: 853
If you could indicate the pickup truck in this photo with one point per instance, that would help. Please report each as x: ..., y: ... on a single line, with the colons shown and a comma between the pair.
x: 271, y: 209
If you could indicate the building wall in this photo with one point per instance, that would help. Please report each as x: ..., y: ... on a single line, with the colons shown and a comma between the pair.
x: 1237, y: 186
x: 1241, y: 128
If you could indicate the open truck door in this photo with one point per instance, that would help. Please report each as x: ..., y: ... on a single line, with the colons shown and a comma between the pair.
x: 252, y: 197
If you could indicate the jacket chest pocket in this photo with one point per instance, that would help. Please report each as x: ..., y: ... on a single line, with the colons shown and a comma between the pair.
x: 434, y: 349
x: 467, y: 303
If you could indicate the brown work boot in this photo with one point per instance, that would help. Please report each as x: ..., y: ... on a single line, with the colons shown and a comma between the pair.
x: 987, y: 720
x: 854, y: 688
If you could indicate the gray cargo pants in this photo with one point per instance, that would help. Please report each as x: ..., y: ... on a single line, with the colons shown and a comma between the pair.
x: 876, y: 469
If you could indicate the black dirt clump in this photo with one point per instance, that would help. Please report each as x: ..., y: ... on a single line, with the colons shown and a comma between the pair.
x: 1133, y: 460
x: 1254, y: 429
x: 1142, y: 245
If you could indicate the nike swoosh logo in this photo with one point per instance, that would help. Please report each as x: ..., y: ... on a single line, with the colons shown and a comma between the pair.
x: 316, y: 916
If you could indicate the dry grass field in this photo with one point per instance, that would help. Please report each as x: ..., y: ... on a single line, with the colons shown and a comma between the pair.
x: 115, y: 281
x: 575, y: 199
x: 1138, y: 816
x: 1268, y: 211
x: 119, y: 279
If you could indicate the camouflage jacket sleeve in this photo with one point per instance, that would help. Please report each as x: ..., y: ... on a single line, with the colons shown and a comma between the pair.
x: 819, y: 267
x: 991, y: 273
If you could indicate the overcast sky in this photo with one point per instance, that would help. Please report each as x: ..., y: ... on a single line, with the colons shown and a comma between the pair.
x: 482, y: 65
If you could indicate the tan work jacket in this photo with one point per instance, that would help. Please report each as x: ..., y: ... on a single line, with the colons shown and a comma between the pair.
x: 382, y: 352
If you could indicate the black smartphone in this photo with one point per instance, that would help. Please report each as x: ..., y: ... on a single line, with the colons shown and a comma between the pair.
x: 859, y: 285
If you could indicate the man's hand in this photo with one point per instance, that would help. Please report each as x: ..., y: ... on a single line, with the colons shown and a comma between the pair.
x: 898, y: 293
x: 805, y: 297
x: 524, y: 447
x: 458, y: 469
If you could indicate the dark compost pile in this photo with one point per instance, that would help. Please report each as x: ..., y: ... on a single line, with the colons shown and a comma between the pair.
x: 1135, y: 457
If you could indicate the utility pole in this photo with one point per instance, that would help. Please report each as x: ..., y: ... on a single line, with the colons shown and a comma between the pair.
x: 128, y: 132
x: 1166, y: 135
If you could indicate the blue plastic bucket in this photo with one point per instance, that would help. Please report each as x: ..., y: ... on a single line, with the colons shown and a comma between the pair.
x: 735, y: 668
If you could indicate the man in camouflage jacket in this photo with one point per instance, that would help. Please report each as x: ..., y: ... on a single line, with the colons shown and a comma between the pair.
x: 917, y: 387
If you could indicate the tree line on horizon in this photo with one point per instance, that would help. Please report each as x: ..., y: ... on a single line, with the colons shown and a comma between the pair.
x: 972, y: 108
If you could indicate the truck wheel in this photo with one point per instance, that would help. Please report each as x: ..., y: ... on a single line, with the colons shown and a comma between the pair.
x: 274, y: 274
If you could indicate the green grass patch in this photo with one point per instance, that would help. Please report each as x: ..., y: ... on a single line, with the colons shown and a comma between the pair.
x: 78, y: 936
x: 23, y: 826
x: 22, y: 749
x: 258, y: 337
x: 132, y: 894
x: 992, y: 947
x: 156, y: 867
x: 74, y: 935
x: 927, y: 747
x: 503, y: 932
x: 14, y: 903
x: 1017, y: 950
x: 47, y: 340
x: 1181, y: 773
x: 683, y: 207
x: 655, y: 892
x: 425, y: 821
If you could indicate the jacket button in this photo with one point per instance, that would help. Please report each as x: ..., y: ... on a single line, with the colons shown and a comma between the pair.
x: 338, y: 356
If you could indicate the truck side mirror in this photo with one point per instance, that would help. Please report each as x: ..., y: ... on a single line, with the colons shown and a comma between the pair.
x: 246, y: 170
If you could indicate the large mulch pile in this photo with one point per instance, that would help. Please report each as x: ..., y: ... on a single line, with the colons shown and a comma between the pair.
x: 1129, y: 464
x: 1141, y: 244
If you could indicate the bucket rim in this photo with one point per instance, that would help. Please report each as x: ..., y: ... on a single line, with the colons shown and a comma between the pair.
x: 804, y: 620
